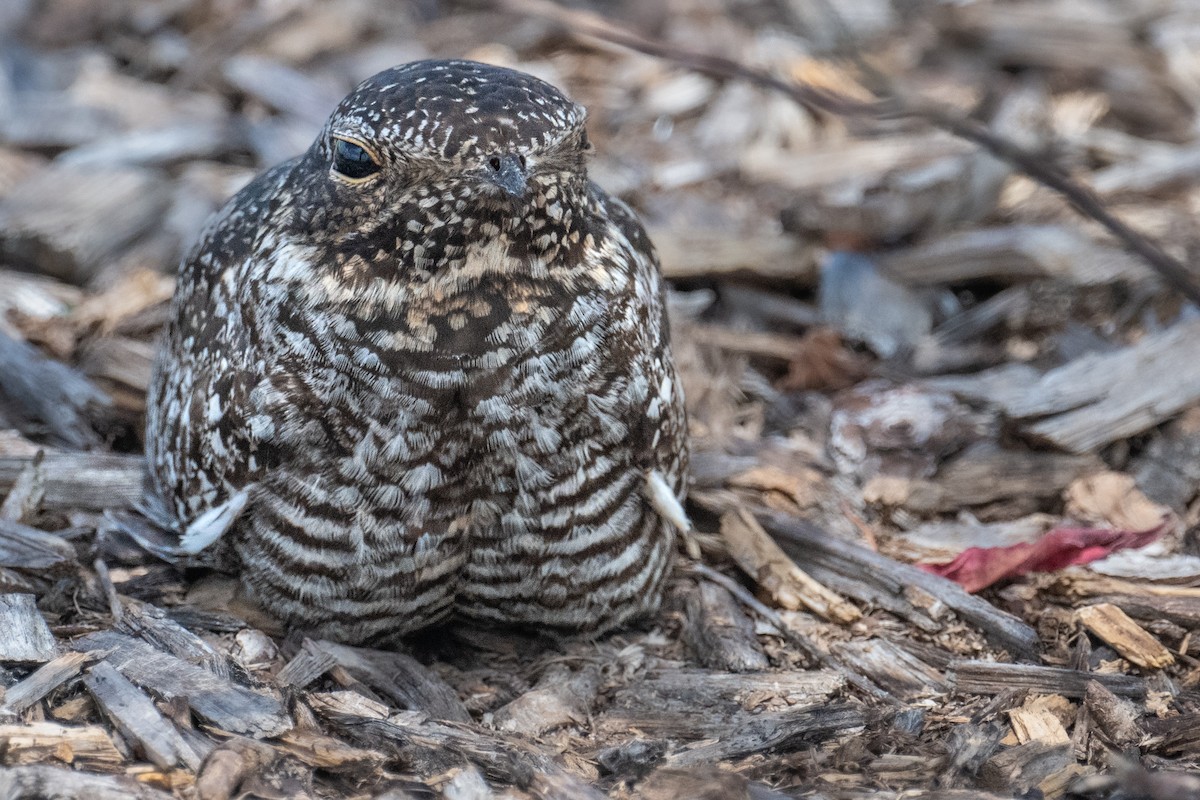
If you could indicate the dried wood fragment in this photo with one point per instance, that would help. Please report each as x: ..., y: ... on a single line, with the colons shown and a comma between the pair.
x: 35, y: 742
x: 1100, y: 398
x: 719, y: 633
x: 706, y: 253
x: 154, y: 627
x: 561, y: 697
x: 309, y: 663
x: 229, y: 764
x: 987, y: 677
x: 24, y: 500
x: 87, y: 481
x: 1117, y: 718
x: 1037, y: 722
x: 702, y: 782
x: 1012, y: 253
x: 136, y: 717
x: 50, y: 392
x: 895, y: 669
x: 1114, y: 627
x: 44, y: 680
x: 326, y: 752
x: 347, y: 704
x: 122, y: 361
x: 983, y: 474
x: 69, y: 221
x: 789, y: 586
x: 400, y: 678
x: 430, y: 748
x: 809, y: 545
x: 24, y: 636
x: 1024, y: 767
x: 159, y: 147
x: 864, y: 303
x: 704, y: 700
x: 217, y: 700
x: 777, y: 346
x: 62, y: 783
x: 26, y: 548
x: 785, y: 731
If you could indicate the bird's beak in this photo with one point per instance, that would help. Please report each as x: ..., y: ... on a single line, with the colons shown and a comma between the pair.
x: 510, y: 176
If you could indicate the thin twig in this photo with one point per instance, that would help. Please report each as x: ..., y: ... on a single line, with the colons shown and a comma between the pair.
x: 816, y: 98
x: 110, y: 591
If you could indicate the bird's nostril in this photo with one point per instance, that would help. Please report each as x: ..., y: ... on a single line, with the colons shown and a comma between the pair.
x: 521, y: 160
x: 494, y: 163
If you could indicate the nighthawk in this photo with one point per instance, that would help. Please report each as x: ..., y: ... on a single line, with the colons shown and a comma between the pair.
x: 424, y: 368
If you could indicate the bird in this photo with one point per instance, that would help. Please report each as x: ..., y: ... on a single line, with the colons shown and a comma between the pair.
x: 424, y: 369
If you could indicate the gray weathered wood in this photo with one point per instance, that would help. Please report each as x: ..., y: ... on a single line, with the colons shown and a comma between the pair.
x: 24, y: 499
x: 69, y: 221
x: 135, y: 716
x: 1012, y: 253
x: 42, y: 681
x: 1100, y: 398
x: 49, y: 392
x: 23, y: 547
x: 309, y: 663
x: 784, y: 730
x: 64, y: 783
x: 895, y: 669
x: 986, y: 473
x: 87, y: 481
x: 217, y: 700
x: 719, y: 633
x: 561, y: 697
x: 154, y: 627
x: 988, y: 677
x: 400, y: 678
x: 24, y: 636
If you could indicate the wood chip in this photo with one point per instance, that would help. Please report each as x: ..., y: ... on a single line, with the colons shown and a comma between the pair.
x: 810, y: 545
x: 89, y: 481
x: 50, y: 392
x: 988, y: 678
x: 136, y: 717
x: 43, y: 681
x: 217, y: 700
x: 400, y: 678
x: 562, y: 697
x: 1114, y: 627
x: 1100, y: 398
x: 1037, y: 721
x: 765, y: 562
x: 67, y: 784
x: 70, y: 221
x: 26, y: 548
x: 24, y: 636
x: 719, y: 632
x: 36, y: 742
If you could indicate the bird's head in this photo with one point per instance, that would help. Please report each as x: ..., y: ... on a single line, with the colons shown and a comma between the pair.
x: 433, y: 155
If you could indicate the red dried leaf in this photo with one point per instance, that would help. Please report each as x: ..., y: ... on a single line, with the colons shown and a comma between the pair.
x: 979, y: 567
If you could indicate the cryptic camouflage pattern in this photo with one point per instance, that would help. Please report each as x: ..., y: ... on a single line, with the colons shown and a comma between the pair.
x: 440, y: 393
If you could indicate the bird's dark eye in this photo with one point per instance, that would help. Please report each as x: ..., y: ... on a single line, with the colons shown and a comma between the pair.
x: 352, y: 160
x: 585, y: 144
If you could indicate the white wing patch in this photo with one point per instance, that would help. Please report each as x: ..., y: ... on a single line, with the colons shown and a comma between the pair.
x: 212, y: 524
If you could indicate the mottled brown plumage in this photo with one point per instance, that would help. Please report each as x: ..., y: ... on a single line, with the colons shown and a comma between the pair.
x: 425, y: 367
